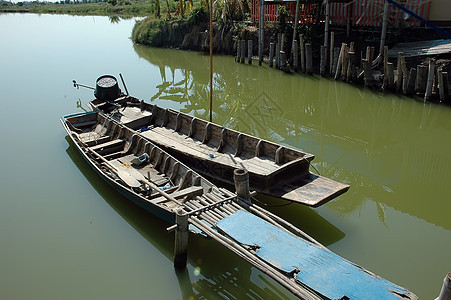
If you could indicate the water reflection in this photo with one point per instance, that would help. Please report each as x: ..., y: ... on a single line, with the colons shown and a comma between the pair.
x: 206, y: 276
x: 391, y: 150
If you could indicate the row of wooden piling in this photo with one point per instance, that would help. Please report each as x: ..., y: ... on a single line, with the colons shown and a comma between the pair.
x: 341, y: 63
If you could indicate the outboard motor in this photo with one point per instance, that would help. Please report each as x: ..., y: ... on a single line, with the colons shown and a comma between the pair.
x: 107, y: 88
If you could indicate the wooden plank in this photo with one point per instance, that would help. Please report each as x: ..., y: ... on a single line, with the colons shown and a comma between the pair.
x: 188, y: 192
x: 312, y: 265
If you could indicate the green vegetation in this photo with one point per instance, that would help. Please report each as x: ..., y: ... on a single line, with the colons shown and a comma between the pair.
x: 84, y: 7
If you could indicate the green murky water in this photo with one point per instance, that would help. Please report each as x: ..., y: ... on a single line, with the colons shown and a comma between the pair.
x: 65, y: 235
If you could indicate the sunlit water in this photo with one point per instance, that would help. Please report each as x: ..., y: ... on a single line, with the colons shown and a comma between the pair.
x: 65, y: 235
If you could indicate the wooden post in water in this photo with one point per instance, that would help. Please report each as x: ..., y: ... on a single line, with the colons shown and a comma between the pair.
x: 420, y: 84
x: 344, y: 62
x: 367, y: 73
x: 283, y: 61
x: 352, y: 72
x: 278, y: 48
x: 271, y: 54
x: 390, y: 76
x: 441, y: 89
x: 309, y: 58
x: 238, y: 51
x: 399, y: 72
x: 322, y: 63
x: 339, y: 62
x: 296, y: 56
x: 301, y: 44
x: 249, y: 51
x: 430, y: 81
x: 411, y: 81
x: 241, y: 179
x: 335, y: 60
x: 331, y: 58
x: 405, y: 75
x: 181, y: 240
x: 445, y: 84
x: 243, y: 51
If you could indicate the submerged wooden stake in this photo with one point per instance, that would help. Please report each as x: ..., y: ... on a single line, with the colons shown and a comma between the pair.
x: 249, y: 51
x: 440, y: 85
x: 390, y: 76
x: 271, y: 54
x: 322, y: 64
x: 302, y: 50
x: 445, y: 84
x: 331, y: 58
x: 411, y: 81
x: 399, y: 72
x: 420, y: 84
x: 243, y: 51
x: 430, y: 81
x: 283, y: 61
x: 296, y: 56
x: 335, y: 60
x: 309, y: 58
x: 238, y: 51
x: 181, y: 240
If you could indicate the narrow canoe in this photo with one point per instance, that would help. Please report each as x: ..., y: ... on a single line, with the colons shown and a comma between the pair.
x: 215, y: 151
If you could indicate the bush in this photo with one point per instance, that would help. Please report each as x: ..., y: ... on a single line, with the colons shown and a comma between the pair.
x: 198, y: 15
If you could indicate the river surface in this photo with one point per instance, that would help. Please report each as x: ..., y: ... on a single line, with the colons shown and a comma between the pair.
x: 66, y: 235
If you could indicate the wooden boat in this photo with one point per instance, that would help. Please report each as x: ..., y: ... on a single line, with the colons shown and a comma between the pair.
x: 162, y: 185
x: 135, y: 167
x: 215, y: 151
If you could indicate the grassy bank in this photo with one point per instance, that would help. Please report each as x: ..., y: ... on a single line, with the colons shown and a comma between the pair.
x: 138, y: 8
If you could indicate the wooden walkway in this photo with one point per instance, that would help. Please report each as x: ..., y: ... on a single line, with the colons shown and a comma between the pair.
x: 284, y: 252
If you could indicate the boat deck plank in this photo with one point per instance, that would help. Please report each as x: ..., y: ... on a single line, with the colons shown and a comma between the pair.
x: 171, y: 139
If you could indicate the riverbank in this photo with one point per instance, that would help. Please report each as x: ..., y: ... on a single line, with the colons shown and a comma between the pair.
x: 122, y: 8
x: 189, y: 35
